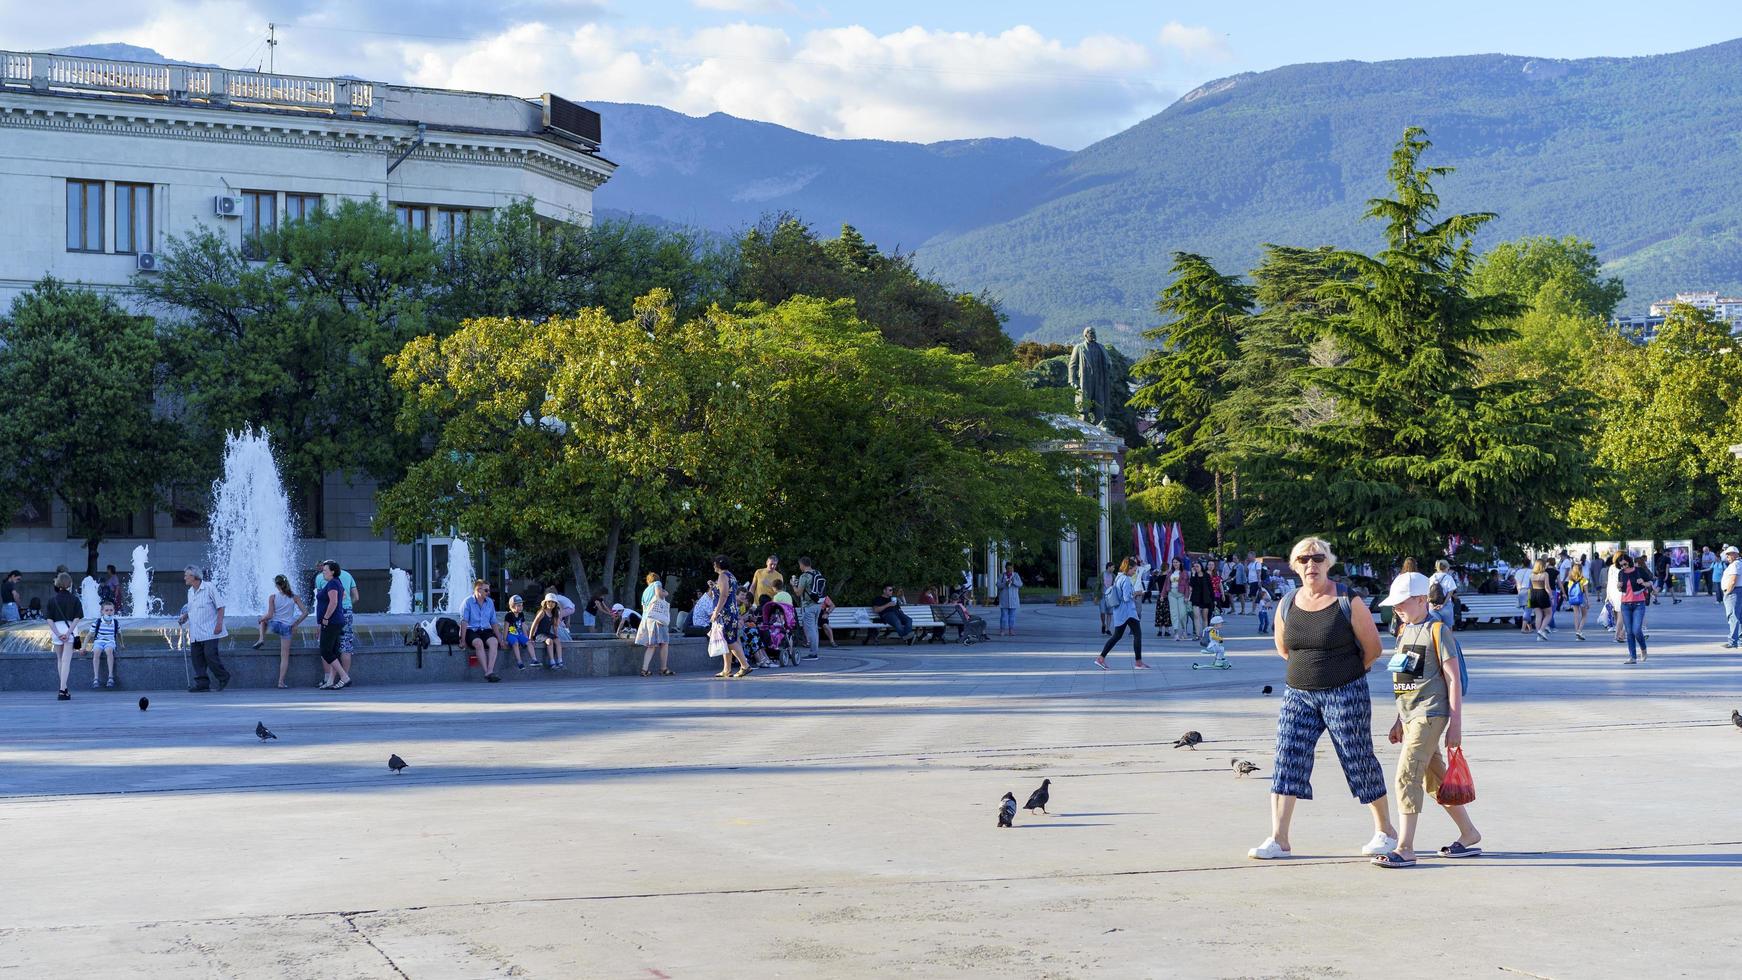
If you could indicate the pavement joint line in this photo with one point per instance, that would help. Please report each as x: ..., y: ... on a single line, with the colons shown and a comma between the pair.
x: 365, y: 937
x: 1247, y: 865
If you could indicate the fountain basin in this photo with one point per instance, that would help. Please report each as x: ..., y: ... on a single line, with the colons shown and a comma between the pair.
x: 153, y: 657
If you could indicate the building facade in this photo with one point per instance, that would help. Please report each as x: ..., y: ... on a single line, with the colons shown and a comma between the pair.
x: 102, y: 162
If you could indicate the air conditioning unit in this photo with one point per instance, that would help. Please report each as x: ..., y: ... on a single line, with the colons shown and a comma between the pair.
x: 225, y: 206
x: 147, y: 261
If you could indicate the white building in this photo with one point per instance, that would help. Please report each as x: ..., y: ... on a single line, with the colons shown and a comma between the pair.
x: 101, y: 162
x: 1725, y: 308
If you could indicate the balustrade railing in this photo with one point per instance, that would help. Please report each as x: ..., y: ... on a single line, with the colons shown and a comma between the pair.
x: 45, y: 72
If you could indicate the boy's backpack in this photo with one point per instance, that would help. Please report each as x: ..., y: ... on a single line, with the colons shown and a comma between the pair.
x: 819, y: 587
x: 1463, y: 663
x: 1286, y: 603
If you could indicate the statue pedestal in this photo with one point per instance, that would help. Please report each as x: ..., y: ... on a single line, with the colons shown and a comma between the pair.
x: 1091, y: 442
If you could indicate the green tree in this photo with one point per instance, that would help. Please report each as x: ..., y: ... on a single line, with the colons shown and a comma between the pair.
x: 81, y: 372
x: 296, y: 343
x: 1668, y: 417
x: 512, y: 262
x: 1169, y: 502
x: 1521, y: 269
x: 782, y: 258
x: 1417, y: 446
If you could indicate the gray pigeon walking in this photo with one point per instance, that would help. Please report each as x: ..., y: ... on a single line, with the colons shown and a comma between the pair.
x: 1241, y: 768
x: 1007, y: 811
x: 395, y: 763
x: 1189, y: 740
x: 261, y: 732
x: 1037, y: 799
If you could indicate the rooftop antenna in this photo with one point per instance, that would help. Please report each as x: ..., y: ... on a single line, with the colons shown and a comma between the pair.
x: 271, y: 47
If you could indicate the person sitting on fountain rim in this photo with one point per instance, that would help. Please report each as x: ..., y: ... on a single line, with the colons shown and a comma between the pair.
x: 478, y: 616
x: 515, y: 634
x: 330, y: 611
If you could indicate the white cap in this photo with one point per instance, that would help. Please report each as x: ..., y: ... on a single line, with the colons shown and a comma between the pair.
x: 513, y: 599
x: 1406, y: 586
x: 616, y: 607
x: 1215, y: 620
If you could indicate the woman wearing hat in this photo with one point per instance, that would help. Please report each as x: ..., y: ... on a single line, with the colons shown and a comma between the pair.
x: 1329, y: 641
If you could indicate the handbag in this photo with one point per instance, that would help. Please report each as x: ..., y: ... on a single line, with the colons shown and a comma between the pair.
x: 716, y: 640
x: 659, y: 611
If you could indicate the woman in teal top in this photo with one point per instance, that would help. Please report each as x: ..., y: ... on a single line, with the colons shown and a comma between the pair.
x: 654, y: 635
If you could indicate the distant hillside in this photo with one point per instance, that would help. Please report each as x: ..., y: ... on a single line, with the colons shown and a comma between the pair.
x: 123, y: 52
x: 1640, y: 155
x: 723, y: 173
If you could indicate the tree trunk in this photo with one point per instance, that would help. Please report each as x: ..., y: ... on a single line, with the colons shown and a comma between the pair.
x: 1218, y: 511
x: 609, y: 574
x: 634, y: 577
x: 91, y: 555
x: 583, y: 587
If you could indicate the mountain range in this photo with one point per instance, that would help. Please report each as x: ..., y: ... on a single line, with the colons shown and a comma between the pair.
x: 1638, y: 155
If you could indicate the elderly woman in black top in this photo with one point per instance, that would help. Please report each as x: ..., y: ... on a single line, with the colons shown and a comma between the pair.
x: 1329, y: 642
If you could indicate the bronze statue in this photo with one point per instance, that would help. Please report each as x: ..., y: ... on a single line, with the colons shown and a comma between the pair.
x: 1091, y: 373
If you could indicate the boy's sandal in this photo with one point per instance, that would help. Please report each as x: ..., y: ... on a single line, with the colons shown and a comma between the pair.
x: 1391, y: 859
x: 667, y: 673
x: 1457, y: 849
x: 645, y: 674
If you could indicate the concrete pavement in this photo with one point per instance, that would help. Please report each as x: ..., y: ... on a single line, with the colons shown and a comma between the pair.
x: 837, y: 820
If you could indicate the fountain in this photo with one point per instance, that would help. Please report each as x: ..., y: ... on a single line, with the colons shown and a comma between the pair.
x: 253, y: 534
x: 90, y: 604
x: 399, y: 591
x: 139, y: 584
x: 459, y: 574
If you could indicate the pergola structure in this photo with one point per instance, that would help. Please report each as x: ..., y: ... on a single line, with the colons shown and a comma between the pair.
x: 1095, y: 444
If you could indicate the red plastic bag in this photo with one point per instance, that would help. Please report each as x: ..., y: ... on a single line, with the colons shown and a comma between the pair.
x: 1458, y: 788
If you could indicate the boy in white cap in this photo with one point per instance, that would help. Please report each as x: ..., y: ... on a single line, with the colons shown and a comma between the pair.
x: 1427, y: 679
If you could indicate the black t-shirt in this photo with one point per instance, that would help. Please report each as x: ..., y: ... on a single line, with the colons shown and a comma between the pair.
x: 1322, y: 650
x: 334, y: 602
x: 1634, y: 576
x: 8, y: 592
x: 63, y: 607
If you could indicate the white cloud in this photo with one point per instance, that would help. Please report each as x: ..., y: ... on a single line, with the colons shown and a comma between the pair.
x: 747, y: 6
x: 1195, y: 42
x: 843, y: 81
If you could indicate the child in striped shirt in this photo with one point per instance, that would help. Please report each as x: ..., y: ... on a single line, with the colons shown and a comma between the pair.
x: 105, y: 636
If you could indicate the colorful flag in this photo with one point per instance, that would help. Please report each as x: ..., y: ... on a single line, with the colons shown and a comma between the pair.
x: 1177, y: 544
x: 1158, y: 545
x: 1140, y: 545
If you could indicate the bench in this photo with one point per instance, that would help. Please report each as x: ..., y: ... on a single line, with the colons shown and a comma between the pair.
x: 925, y: 618
x: 1475, y: 609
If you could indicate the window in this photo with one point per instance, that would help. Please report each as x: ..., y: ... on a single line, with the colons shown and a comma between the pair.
x: 259, y: 217
x: 34, y: 511
x: 310, y: 505
x: 413, y: 216
x: 298, y: 206
x: 188, y: 504
x: 84, y: 216
x: 133, y: 226
x: 135, y: 525
x: 451, y: 223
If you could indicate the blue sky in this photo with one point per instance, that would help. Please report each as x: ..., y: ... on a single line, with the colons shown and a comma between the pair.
x: 1063, y: 73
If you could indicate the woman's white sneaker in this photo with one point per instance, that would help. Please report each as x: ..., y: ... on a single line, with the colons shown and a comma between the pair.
x: 1270, y: 850
x: 1380, y: 844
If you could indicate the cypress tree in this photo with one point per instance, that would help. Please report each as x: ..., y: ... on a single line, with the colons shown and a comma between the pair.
x: 1412, y: 445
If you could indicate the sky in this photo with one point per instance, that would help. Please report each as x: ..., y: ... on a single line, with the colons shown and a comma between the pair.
x: 1062, y: 73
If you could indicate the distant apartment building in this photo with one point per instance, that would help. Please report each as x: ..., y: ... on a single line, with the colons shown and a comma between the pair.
x: 102, y: 162
x: 1643, y: 327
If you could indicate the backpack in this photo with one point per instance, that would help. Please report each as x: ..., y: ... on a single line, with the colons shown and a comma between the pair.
x: 1576, y: 593
x: 819, y: 586
x: 1463, y: 663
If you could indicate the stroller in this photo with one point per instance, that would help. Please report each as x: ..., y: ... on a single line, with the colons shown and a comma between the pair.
x: 970, y: 629
x: 778, y: 622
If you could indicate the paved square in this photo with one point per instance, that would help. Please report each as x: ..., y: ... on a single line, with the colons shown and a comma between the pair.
x: 838, y: 821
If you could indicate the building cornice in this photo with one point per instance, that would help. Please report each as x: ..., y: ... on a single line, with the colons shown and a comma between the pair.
x: 317, y: 133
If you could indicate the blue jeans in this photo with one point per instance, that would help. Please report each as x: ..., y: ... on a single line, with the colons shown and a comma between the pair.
x: 1263, y: 620
x: 1733, y: 613
x: 1007, y: 618
x: 9, y: 613
x: 1633, y: 623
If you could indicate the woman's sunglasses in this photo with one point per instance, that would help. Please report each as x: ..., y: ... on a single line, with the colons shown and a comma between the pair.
x: 1308, y: 559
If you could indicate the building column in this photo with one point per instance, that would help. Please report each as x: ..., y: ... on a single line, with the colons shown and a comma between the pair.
x: 1070, y: 574
x: 994, y: 568
x: 1105, y: 541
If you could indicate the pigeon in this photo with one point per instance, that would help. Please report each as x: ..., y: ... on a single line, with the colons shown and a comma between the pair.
x: 144, y: 703
x: 1037, y: 799
x: 261, y: 732
x: 1242, y: 768
x: 1736, y: 717
x: 1189, y: 740
x: 1267, y: 689
x: 1007, y: 811
x: 395, y: 763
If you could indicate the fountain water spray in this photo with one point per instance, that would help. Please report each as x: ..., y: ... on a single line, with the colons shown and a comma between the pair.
x: 139, y: 583
x: 459, y: 574
x: 399, y: 591
x: 253, y: 534
x: 88, y: 598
